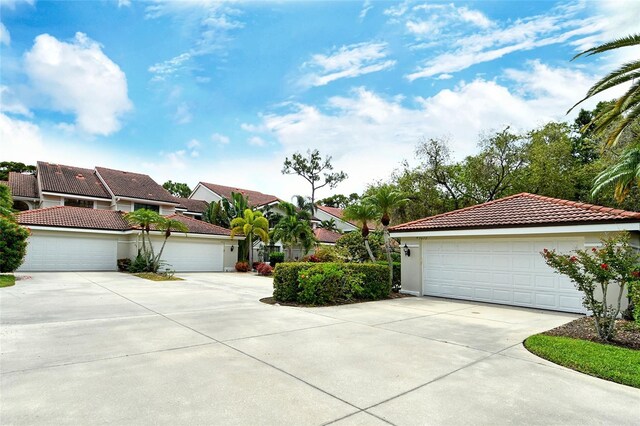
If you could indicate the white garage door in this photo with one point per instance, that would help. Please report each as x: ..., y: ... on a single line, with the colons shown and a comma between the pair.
x: 499, y: 270
x: 193, y: 255
x: 53, y: 251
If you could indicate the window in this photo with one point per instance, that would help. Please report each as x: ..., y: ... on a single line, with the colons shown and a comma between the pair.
x: 138, y: 206
x: 71, y: 202
x: 21, y: 206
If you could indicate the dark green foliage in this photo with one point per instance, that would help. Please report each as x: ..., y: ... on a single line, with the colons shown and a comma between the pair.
x: 178, y: 189
x: 634, y: 295
x: 329, y: 283
x: 11, y: 166
x: 275, y: 258
x: 13, y: 244
x: 353, y: 244
x: 340, y: 201
x: 397, y: 283
x: 140, y: 264
x: 6, y: 202
x: 124, y: 264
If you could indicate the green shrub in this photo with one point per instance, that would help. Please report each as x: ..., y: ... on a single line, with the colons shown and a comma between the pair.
x: 326, y: 253
x: 13, y: 244
x: 634, y: 295
x: 124, y: 264
x: 140, y: 264
x: 275, y: 258
x: 396, y: 273
x: 352, y: 244
x: 327, y: 283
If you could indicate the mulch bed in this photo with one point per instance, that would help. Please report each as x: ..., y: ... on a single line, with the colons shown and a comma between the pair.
x: 272, y: 301
x: 627, y: 332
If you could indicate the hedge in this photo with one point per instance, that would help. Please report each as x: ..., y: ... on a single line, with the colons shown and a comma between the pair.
x: 396, y: 272
x: 329, y: 283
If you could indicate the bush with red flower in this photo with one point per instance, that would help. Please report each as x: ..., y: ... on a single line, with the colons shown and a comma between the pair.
x: 264, y: 269
x: 594, y: 272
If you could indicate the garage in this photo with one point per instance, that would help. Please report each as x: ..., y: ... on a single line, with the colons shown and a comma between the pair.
x: 67, y: 251
x: 491, y: 252
x: 499, y: 270
x: 184, y: 254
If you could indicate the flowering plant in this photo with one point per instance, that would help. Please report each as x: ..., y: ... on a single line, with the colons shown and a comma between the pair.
x: 594, y: 272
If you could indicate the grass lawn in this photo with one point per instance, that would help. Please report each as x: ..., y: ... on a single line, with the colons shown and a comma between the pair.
x: 157, y: 277
x: 7, y: 280
x: 608, y: 362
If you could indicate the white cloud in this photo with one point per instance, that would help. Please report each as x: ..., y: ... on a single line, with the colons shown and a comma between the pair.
x: 124, y: 3
x: 444, y: 77
x: 164, y: 69
x: 11, y: 4
x: 256, y: 141
x: 78, y: 78
x: 366, y: 7
x: 474, y: 17
x: 5, y: 37
x: 220, y: 139
x: 346, y: 62
x: 10, y: 103
x: 183, y: 114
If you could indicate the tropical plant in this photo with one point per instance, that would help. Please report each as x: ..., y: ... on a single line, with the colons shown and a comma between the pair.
x: 594, y: 271
x: 329, y: 225
x: 626, y: 110
x: 385, y: 199
x: 363, y: 213
x: 167, y: 226
x: 177, y: 188
x: 6, y: 202
x: 303, y: 204
x: 622, y: 175
x: 293, y: 229
x: 252, y: 224
x: 315, y: 170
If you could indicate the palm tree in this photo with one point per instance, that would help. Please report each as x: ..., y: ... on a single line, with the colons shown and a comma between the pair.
x: 624, y: 174
x: 362, y: 213
x: 251, y: 224
x: 626, y: 109
x: 167, y: 225
x: 293, y: 229
x: 303, y: 203
x: 386, y: 199
x: 329, y: 225
x: 145, y: 220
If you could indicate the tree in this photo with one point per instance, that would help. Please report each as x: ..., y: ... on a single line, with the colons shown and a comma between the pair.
x: 12, y: 166
x: 436, y: 161
x: 304, y: 204
x: 6, y: 202
x: 223, y: 211
x: 329, y: 225
x: 293, y: 229
x: 623, y: 175
x: 626, y: 110
x: 251, y: 224
x: 315, y: 170
x: 385, y: 199
x: 167, y: 226
x: 363, y: 213
x: 178, y: 189
x: 13, y: 237
x: 145, y: 220
x: 354, y: 249
x: 339, y: 201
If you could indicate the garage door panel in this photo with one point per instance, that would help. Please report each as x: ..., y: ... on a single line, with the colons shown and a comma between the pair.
x: 194, y: 255
x: 499, y: 270
x: 68, y: 252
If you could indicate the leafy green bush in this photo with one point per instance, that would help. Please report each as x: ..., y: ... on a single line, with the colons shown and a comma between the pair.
x: 275, y: 258
x: 140, y: 263
x: 353, y: 245
x: 13, y: 244
x: 634, y: 295
x: 396, y: 273
x: 326, y: 253
x: 327, y: 283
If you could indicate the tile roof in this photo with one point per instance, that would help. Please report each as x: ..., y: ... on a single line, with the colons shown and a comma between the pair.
x: 191, y: 205
x: 256, y: 199
x: 520, y: 210
x: 75, y: 217
x: 337, y: 212
x: 326, y: 236
x: 23, y: 185
x: 70, y: 180
x: 200, y: 227
x: 134, y: 185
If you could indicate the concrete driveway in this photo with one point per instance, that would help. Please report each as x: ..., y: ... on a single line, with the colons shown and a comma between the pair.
x: 88, y: 348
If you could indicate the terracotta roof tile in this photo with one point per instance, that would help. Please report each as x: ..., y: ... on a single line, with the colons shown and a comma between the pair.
x: 191, y: 205
x: 23, y: 185
x: 200, y: 227
x: 75, y: 217
x: 256, y: 199
x: 134, y: 185
x: 520, y: 210
x: 70, y: 180
x: 337, y: 212
x: 326, y: 236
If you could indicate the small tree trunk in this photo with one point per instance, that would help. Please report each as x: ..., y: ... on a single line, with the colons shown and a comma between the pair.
x: 387, y: 246
x: 250, y: 251
x: 366, y: 244
x: 156, y: 261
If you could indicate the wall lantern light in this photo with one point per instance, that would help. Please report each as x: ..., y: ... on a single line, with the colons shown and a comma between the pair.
x: 232, y: 248
x: 407, y: 250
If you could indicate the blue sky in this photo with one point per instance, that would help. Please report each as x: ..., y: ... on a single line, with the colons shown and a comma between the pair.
x: 224, y: 91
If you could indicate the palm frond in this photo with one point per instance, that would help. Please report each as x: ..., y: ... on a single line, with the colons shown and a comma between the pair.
x: 630, y: 40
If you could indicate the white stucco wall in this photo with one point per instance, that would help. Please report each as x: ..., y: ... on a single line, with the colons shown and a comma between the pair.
x: 340, y: 224
x: 202, y: 193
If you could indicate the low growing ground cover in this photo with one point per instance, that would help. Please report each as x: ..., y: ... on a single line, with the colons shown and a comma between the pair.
x: 7, y: 280
x: 609, y: 362
x: 157, y: 277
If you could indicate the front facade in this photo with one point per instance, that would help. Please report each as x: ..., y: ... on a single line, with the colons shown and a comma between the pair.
x: 491, y: 252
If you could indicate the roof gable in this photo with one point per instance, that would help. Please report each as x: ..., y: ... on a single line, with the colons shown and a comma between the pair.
x: 134, y: 185
x: 192, y: 205
x: 70, y: 180
x: 75, y: 217
x: 256, y: 199
x: 520, y: 210
x: 326, y: 236
x: 200, y: 227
